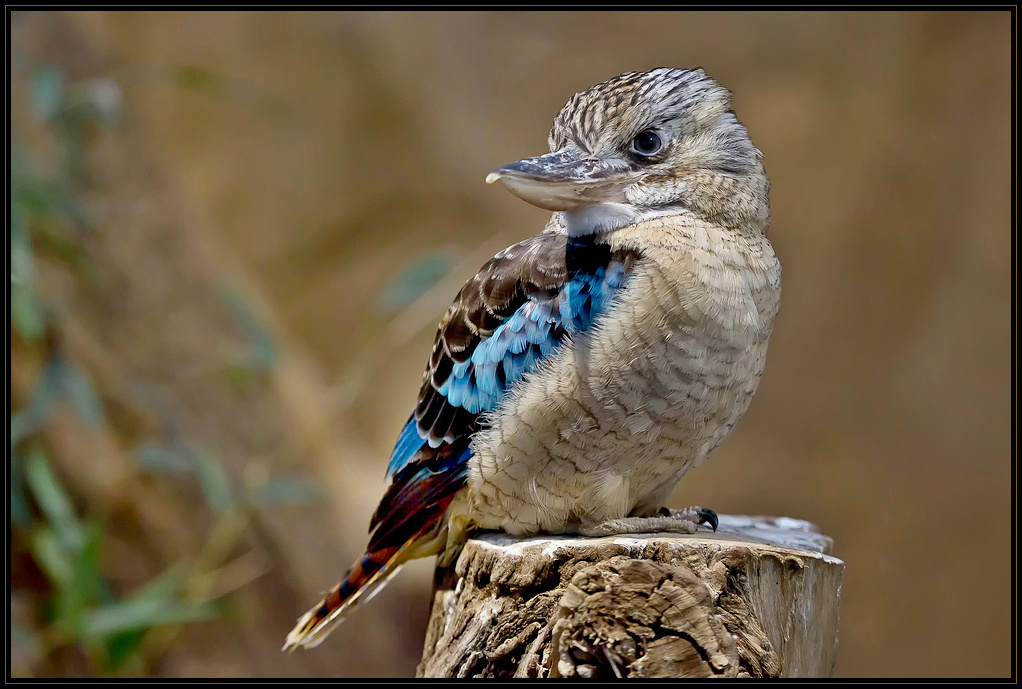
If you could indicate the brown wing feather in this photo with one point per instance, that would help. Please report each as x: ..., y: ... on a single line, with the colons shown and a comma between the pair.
x: 484, y: 302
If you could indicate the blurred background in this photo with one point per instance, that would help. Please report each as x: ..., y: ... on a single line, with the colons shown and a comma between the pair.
x: 233, y: 235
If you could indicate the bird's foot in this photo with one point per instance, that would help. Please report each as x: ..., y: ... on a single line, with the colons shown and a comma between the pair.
x: 675, y: 521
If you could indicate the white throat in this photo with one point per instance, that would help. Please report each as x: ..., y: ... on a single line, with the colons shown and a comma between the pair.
x: 606, y: 217
x: 599, y: 217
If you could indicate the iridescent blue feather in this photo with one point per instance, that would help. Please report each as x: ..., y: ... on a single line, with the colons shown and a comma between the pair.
x: 531, y: 333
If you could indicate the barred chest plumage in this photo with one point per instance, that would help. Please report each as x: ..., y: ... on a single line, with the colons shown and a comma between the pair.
x: 609, y: 424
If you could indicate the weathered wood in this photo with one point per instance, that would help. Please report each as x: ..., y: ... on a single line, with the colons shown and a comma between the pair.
x: 757, y: 598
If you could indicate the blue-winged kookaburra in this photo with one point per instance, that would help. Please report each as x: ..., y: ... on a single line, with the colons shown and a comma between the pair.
x: 582, y: 372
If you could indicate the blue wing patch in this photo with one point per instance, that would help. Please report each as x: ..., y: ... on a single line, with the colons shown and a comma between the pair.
x: 408, y: 443
x: 532, y: 332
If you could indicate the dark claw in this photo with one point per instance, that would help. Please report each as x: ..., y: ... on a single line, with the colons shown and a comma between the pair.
x: 708, y: 517
x: 664, y: 512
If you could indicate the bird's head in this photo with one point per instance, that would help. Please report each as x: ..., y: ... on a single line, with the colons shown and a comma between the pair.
x: 644, y: 145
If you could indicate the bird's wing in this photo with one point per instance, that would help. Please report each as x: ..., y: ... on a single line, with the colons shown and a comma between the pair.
x: 517, y: 310
x: 514, y: 312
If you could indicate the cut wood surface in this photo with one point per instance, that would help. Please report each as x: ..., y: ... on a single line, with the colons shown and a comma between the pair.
x: 757, y: 598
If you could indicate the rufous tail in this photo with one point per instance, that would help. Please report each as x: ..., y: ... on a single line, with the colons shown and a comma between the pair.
x: 412, y: 521
x: 363, y: 580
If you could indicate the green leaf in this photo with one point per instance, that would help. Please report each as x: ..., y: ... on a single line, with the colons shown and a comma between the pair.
x: 284, y: 490
x: 27, y: 314
x: 120, y: 648
x: 53, y: 500
x: 39, y: 198
x: 81, y: 394
x: 47, y: 391
x: 66, y: 551
x: 89, y: 584
x: 22, y: 425
x: 163, y: 587
x: 52, y: 557
x: 120, y: 645
x: 417, y: 277
x: 213, y: 480
x: 22, y: 265
x: 262, y: 348
x: 57, y: 562
x: 47, y: 89
x: 159, y: 458
x: 144, y: 613
x: 21, y: 515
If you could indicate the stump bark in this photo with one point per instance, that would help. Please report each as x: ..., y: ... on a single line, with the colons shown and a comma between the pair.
x: 758, y: 598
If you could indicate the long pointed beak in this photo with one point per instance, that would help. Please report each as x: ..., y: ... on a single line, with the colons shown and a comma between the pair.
x: 564, y: 180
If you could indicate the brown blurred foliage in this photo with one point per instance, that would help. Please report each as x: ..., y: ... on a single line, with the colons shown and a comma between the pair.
x: 306, y: 160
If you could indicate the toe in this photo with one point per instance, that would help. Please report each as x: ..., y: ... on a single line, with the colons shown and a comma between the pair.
x: 708, y: 517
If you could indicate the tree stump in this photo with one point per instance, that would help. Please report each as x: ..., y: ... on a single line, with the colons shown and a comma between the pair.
x: 758, y: 598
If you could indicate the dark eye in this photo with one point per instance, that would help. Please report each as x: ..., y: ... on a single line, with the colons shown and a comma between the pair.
x: 647, y: 143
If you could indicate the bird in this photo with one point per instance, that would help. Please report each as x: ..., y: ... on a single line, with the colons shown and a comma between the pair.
x: 582, y: 372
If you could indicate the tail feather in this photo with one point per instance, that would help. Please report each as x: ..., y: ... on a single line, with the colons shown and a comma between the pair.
x: 367, y: 576
x: 412, y: 521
